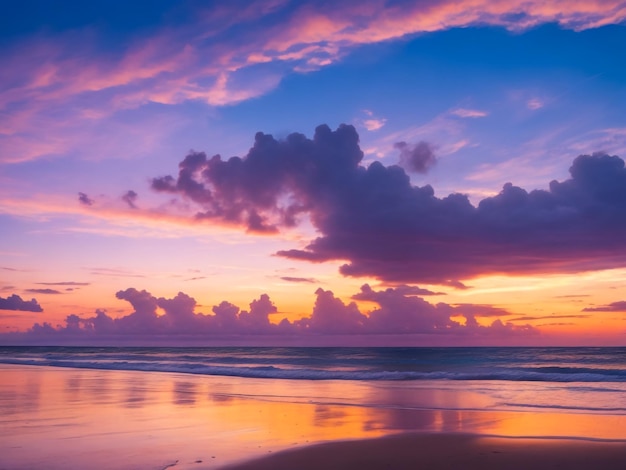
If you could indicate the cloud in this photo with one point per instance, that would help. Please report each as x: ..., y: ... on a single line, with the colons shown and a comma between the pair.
x: 456, y: 284
x: 384, y: 227
x: 408, y: 291
x: 535, y: 103
x: 469, y: 113
x: 619, y: 306
x: 220, y: 56
x: 114, y: 272
x: 129, y: 198
x: 370, y: 121
x: 43, y: 291
x: 545, y: 317
x: 418, y: 158
x: 398, y: 312
x: 331, y: 316
x: 15, y: 302
x: 374, y: 124
x: 85, y: 200
x: 309, y: 280
x: 63, y: 283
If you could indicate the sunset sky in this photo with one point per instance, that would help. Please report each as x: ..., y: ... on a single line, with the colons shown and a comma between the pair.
x: 427, y: 172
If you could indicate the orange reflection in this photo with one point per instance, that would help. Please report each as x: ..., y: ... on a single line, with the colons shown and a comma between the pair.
x: 73, y: 418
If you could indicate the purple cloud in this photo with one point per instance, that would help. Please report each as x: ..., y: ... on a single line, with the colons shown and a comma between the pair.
x: 418, y: 158
x: 398, y: 312
x: 15, y: 302
x: 129, y: 198
x: 546, y: 317
x: 309, y: 280
x: 331, y: 316
x: 43, y: 291
x: 415, y: 290
x: 619, y: 306
x: 386, y: 228
x: 85, y: 200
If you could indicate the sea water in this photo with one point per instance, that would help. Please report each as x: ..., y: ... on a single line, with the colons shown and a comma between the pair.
x: 577, y: 380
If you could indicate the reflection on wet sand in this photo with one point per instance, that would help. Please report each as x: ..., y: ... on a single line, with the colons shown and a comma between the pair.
x: 135, y: 391
x: 184, y: 393
x: 70, y: 418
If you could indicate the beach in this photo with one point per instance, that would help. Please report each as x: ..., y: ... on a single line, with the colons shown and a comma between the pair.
x: 83, y: 417
x: 447, y: 451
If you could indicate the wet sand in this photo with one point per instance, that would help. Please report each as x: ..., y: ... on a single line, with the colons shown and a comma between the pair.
x: 60, y: 418
x: 447, y: 451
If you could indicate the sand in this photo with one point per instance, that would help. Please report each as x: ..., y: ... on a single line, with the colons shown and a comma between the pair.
x: 61, y: 418
x: 447, y: 451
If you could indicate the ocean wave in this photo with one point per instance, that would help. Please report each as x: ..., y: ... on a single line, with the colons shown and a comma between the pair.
x: 139, y: 363
x: 613, y: 410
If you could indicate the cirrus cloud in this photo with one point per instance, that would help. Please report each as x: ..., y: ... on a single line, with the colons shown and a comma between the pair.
x: 71, y: 83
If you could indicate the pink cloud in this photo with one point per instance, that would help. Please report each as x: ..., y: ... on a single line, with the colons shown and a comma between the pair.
x: 71, y: 74
x: 469, y: 113
x: 535, y: 103
x: 374, y: 124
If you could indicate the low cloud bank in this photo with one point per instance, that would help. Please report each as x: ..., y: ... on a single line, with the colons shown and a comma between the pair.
x: 397, y: 312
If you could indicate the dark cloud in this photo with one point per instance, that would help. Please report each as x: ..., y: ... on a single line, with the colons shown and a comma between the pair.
x: 384, y: 227
x: 129, y: 198
x: 479, y: 310
x: 415, y: 290
x: 43, y: 291
x: 309, y: 280
x: 397, y: 312
x: 619, y: 306
x: 456, y: 284
x: 418, y: 158
x: 15, y: 302
x: 85, y: 200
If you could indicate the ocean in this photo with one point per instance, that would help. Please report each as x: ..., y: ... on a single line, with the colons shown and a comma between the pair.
x: 578, y: 380
x: 203, y: 408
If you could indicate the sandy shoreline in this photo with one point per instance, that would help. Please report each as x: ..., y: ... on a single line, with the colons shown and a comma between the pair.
x: 57, y: 418
x: 447, y: 451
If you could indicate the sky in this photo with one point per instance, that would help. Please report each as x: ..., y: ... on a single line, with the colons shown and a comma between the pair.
x: 427, y: 172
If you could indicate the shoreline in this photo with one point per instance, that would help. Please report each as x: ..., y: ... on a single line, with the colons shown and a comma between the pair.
x: 59, y: 417
x: 411, y: 451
